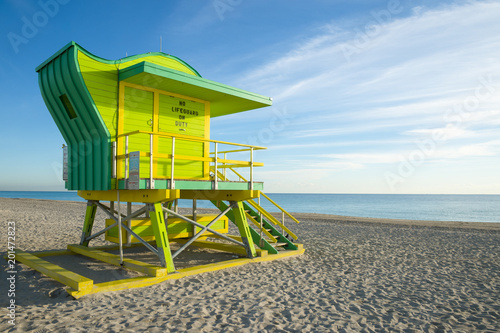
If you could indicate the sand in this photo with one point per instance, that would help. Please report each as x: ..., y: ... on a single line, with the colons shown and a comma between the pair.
x: 357, y: 275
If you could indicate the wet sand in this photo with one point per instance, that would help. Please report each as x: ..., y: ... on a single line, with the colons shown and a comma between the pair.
x: 357, y: 275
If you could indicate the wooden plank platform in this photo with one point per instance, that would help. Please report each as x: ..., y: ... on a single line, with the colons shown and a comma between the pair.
x: 80, y: 286
x: 71, y: 279
x: 139, y: 282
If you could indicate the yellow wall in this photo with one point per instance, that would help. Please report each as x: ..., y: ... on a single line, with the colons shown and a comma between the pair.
x: 147, y: 109
x: 161, y: 112
x: 101, y: 80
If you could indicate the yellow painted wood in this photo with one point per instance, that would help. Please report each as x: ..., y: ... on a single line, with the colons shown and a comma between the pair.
x: 135, y: 110
x: 173, y: 118
x: 120, y: 144
x: 101, y: 81
x: 114, y: 259
x: 238, y: 164
x: 279, y: 207
x: 148, y: 196
x: 73, y: 280
x: 156, y: 126
x: 117, y: 285
x: 185, y: 157
x: 173, y: 109
x: 176, y: 228
x: 206, y: 145
x: 50, y: 253
x: 145, y: 222
x: 185, y: 137
x: 300, y: 247
x: 138, y: 115
x: 235, y: 237
x: 161, y: 236
x: 148, y: 281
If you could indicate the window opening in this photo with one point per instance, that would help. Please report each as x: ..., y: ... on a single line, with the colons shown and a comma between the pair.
x: 68, y: 106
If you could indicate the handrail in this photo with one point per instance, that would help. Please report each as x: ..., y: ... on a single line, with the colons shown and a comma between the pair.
x: 153, y: 155
x: 232, y: 151
x: 189, y: 138
x: 265, y: 196
x: 279, y: 207
x: 261, y: 210
x: 271, y: 218
x: 237, y: 174
x: 268, y: 234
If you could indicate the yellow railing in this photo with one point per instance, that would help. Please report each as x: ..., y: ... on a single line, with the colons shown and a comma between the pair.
x: 261, y: 210
x: 121, y: 153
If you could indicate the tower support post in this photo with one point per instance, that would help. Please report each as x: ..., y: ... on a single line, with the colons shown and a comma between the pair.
x: 88, y: 224
x: 161, y: 236
x: 241, y: 222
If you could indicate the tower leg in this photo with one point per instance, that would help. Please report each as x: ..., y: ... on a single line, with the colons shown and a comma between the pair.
x: 241, y: 222
x: 89, y: 222
x: 161, y: 236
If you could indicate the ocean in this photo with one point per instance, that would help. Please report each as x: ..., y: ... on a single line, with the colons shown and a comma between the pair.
x: 433, y: 207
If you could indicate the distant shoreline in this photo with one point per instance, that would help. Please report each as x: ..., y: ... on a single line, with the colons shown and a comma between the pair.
x: 334, y: 218
x: 421, y: 223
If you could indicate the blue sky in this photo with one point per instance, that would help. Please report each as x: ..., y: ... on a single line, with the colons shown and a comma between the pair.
x: 369, y: 96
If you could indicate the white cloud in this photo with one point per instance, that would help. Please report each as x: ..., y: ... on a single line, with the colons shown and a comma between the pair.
x: 367, y: 158
x: 448, y: 132
x: 417, y: 62
x: 436, y: 70
x: 489, y: 148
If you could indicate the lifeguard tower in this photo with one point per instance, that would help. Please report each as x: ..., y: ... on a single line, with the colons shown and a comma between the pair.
x: 137, y: 134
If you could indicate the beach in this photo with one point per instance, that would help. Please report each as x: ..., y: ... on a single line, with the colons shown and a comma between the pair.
x: 356, y: 275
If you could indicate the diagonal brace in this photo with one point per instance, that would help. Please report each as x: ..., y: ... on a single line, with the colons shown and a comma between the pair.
x: 205, y: 228
x: 146, y: 244
x: 202, y: 226
x: 106, y: 209
x: 99, y: 233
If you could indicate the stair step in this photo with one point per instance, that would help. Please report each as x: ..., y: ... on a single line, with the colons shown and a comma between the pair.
x: 280, y: 244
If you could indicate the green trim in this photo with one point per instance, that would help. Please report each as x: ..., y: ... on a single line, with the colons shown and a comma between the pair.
x: 265, y: 244
x: 55, y: 55
x: 267, y: 225
x: 88, y: 139
x: 222, y: 206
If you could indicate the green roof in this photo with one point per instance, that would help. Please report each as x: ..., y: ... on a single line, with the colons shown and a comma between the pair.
x: 223, y: 99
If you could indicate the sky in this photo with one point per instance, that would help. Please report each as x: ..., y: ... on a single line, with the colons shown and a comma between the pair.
x: 368, y: 96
